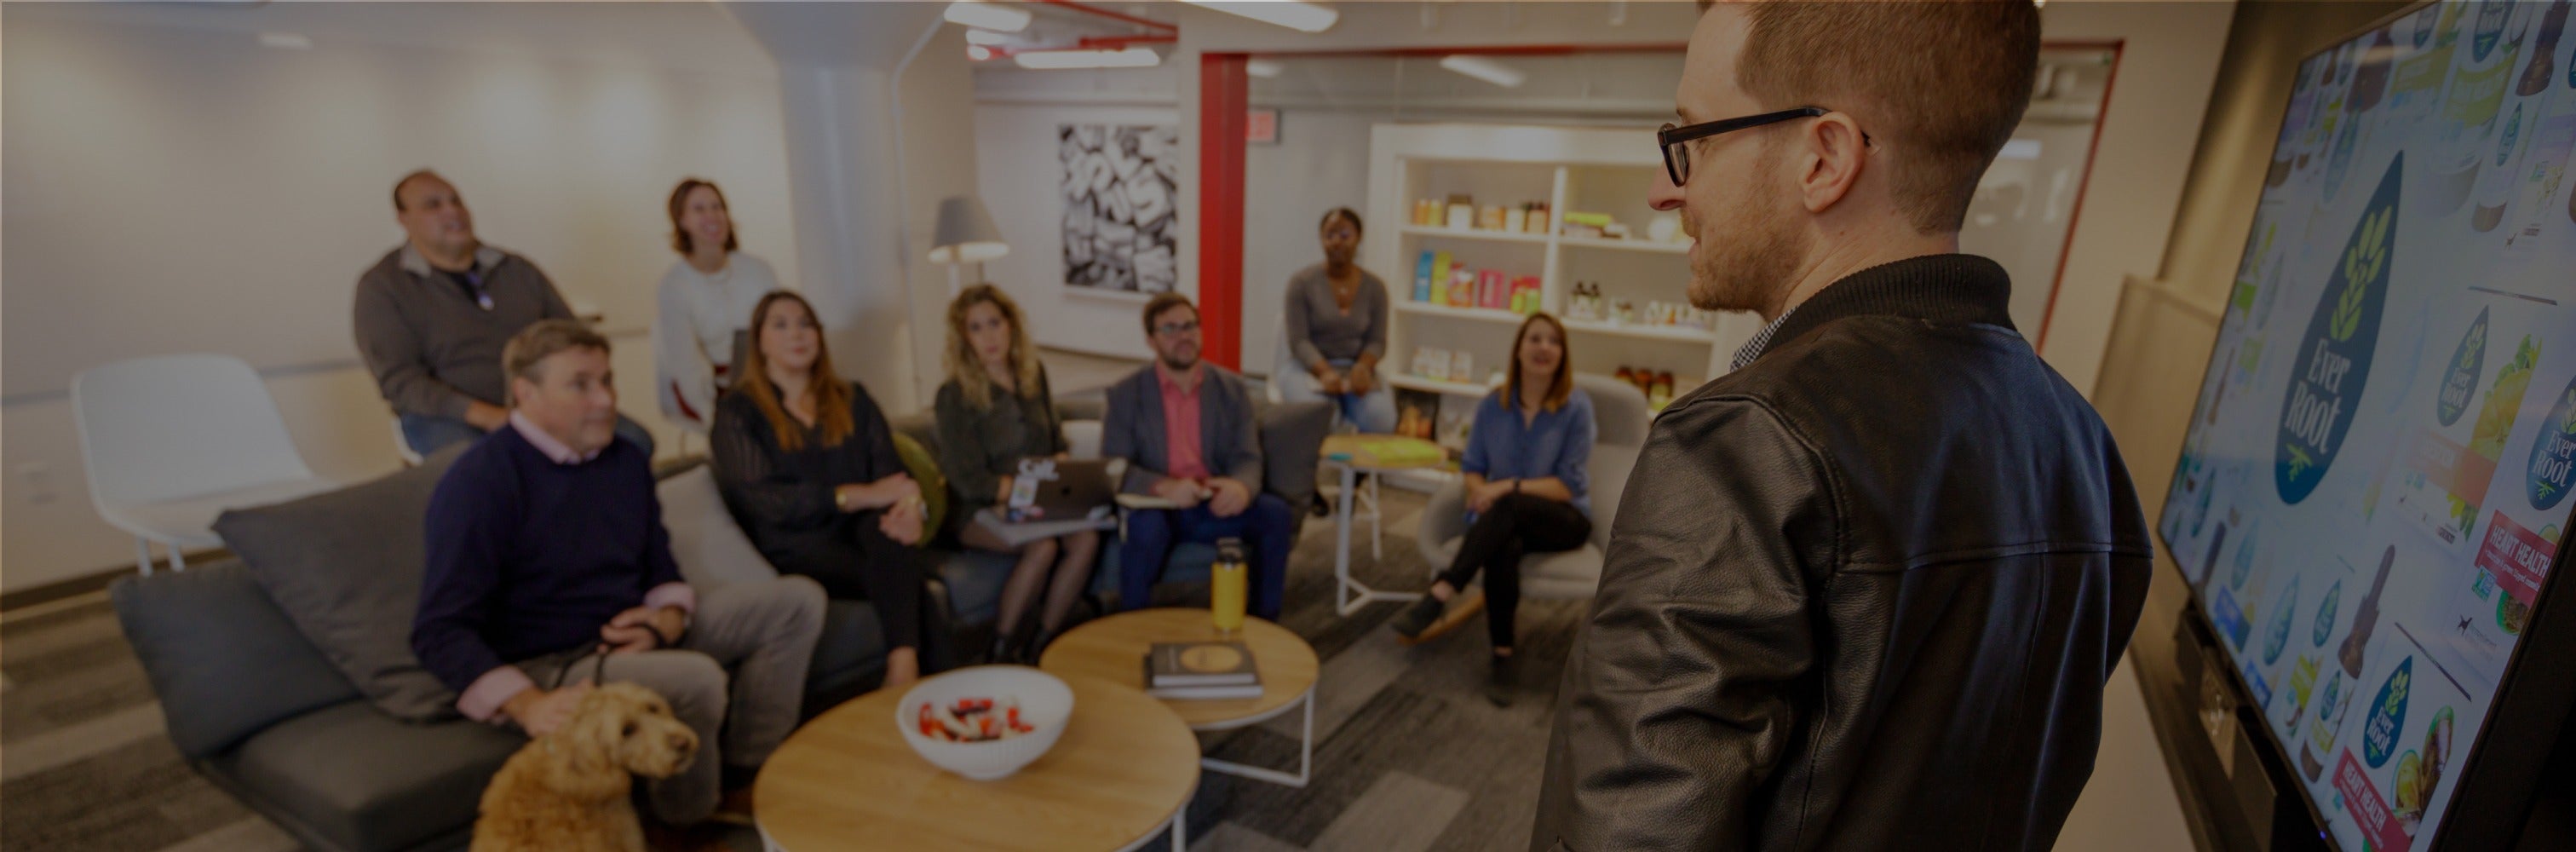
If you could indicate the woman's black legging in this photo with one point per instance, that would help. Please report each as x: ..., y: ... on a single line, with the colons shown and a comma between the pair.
x: 856, y: 561
x: 1517, y: 525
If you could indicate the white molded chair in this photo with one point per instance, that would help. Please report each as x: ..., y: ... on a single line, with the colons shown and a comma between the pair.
x: 402, y: 446
x: 171, y: 442
x: 1620, y: 418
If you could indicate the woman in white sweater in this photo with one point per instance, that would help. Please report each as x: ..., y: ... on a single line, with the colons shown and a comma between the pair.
x: 706, y: 298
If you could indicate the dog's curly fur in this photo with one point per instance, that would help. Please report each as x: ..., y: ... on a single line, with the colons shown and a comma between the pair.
x: 567, y: 791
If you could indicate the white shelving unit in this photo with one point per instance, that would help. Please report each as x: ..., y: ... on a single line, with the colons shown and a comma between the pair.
x: 1572, y: 169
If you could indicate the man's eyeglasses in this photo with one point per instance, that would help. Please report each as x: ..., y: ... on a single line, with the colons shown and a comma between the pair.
x: 1674, y: 139
x: 1170, y: 328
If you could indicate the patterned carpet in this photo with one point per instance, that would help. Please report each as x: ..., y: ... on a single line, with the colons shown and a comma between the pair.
x: 1408, y: 755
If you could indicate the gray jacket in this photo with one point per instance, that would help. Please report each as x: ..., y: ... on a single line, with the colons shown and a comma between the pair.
x: 1229, y: 434
x: 431, y: 348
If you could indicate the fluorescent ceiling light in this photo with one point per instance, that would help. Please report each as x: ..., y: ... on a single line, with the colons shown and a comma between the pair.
x: 1263, y: 68
x: 1053, y: 60
x: 1297, y: 15
x: 987, y: 38
x: 1485, y: 69
x: 991, y: 16
x: 286, y: 41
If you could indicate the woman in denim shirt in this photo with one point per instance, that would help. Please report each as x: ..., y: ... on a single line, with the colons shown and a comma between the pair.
x: 1527, y: 490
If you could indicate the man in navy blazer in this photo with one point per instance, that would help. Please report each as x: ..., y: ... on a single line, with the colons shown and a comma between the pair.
x: 1208, y: 469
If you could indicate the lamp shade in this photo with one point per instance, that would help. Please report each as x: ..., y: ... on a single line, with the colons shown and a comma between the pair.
x: 966, y: 233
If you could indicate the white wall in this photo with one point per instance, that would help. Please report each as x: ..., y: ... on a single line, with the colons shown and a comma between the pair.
x: 2150, y: 127
x: 180, y: 188
x: 1016, y: 168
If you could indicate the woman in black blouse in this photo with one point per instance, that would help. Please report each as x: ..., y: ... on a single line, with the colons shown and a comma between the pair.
x: 994, y: 411
x: 807, y: 464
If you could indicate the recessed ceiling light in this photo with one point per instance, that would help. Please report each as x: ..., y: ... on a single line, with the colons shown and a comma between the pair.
x: 1297, y: 15
x: 1052, y: 60
x: 991, y: 16
x: 1485, y: 69
x: 978, y: 52
x: 1263, y: 68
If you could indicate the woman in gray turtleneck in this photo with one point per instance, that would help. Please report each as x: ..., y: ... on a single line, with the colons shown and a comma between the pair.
x: 1336, y: 330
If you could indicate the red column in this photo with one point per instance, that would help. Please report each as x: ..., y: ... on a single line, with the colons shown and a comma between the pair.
x: 1224, y: 101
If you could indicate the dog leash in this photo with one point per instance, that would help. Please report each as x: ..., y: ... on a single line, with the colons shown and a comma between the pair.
x: 598, y: 673
x: 599, y: 658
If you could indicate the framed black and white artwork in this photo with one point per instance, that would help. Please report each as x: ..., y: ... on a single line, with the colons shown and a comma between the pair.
x: 1121, y: 225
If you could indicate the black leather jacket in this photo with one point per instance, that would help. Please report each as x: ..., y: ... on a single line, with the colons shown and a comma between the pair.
x: 1862, y: 594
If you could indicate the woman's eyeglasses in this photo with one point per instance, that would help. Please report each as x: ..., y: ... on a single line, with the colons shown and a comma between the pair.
x: 1674, y: 139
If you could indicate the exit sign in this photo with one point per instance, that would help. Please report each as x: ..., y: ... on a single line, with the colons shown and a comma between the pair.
x: 1261, y: 127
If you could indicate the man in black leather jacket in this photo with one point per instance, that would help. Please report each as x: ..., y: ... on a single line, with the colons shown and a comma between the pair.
x: 1863, y: 592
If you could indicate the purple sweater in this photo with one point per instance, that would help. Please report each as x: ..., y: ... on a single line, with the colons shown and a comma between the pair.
x: 528, y: 557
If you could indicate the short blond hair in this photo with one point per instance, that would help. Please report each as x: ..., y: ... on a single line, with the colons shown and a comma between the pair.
x: 1943, y: 84
x: 541, y: 340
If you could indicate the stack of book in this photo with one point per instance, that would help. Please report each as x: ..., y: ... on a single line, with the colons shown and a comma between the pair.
x: 1201, y: 671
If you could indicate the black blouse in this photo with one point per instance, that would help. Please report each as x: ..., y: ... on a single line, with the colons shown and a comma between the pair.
x: 977, y: 447
x: 770, y: 489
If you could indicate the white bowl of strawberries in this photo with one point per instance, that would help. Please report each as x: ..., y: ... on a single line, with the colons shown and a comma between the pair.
x: 985, y: 722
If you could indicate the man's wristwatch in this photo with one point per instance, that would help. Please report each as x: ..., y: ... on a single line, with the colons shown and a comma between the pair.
x: 841, y: 499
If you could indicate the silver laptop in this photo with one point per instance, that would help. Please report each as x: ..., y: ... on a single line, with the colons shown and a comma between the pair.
x: 1059, y: 489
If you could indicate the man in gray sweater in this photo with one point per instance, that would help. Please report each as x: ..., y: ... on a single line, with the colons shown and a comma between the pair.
x: 432, y: 316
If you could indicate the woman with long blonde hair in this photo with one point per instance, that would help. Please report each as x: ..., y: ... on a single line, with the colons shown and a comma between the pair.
x: 995, y: 410
x: 1527, y: 488
x: 807, y: 464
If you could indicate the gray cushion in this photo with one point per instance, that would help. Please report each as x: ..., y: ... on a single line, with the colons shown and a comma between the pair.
x: 362, y: 780
x: 346, y: 568
x: 709, y: 546
x: 221, y: 657
x: 974, y: 579
x: 851, y: 647
x: 1292, y: 443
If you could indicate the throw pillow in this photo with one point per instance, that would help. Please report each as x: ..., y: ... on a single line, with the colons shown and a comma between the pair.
x: 710, y: 547
x: 346, y: 567
x: 924, y: 469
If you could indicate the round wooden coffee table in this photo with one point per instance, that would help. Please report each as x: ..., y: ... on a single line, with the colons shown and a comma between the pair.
x: 1125, y: 768
x: 1113, y: 649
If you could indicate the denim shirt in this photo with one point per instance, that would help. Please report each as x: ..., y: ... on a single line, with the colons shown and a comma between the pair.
x: 1556, y: 443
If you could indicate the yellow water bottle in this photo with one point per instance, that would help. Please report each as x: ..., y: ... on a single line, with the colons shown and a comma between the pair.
x: 1230, y: 580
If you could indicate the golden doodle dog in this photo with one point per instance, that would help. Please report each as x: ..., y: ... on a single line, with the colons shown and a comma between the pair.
x: 567, y: 791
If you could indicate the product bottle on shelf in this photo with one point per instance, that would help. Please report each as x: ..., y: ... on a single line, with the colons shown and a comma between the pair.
x: 1662, y: 394
x: 2344, y: 682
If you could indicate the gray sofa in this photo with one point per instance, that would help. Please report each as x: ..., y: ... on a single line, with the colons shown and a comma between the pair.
x: 259, y: 709
x: 1292, y: 442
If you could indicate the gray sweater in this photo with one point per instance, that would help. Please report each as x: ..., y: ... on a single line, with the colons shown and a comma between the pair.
x: 431, y: 347
x: 1318, y: 331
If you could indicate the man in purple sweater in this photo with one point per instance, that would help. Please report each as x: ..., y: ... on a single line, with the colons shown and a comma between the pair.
x: 549, y: 567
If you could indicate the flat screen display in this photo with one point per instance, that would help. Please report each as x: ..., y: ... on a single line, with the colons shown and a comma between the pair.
x: 2376, y: 478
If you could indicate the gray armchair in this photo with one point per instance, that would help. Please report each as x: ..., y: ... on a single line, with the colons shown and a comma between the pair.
x: 1620, y: 415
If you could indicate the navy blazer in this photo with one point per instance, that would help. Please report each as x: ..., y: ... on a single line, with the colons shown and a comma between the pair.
x: 1229, y: 435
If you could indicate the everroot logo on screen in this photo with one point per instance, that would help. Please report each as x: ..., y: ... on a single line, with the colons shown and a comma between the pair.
x: 2334, y: 356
